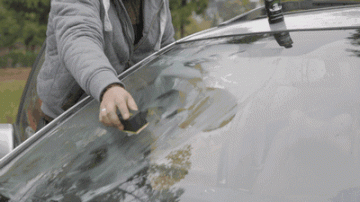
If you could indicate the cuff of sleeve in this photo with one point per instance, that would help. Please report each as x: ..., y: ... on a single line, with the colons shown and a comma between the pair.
x: 100, y: 81
x: 107, y: 88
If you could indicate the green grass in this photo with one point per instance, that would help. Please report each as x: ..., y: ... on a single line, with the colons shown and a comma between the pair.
x: 10, y: 94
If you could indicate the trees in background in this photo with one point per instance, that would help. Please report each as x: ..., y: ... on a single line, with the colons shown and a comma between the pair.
x: 230, y: 9
x: 181, y: 11
x: 25, y: 22
x: 9, y: 28
x: 22, y: 30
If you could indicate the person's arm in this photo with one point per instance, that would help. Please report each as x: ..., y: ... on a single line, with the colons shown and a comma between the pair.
x: 169, y: 32
x: 79, y: 37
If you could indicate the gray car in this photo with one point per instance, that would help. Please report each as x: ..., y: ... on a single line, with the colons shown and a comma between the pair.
x: 246, y: 111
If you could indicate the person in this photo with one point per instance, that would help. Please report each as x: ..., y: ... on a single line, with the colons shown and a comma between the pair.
x: 90, y: 42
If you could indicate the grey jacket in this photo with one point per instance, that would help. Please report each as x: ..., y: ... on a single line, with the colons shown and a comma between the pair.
x: 90, y: 42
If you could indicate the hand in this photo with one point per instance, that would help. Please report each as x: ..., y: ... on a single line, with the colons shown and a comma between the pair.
x: 116, y: 97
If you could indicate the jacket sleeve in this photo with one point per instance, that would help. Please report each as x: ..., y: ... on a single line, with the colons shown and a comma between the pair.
x: 79, y: 36
x: 169, y: 32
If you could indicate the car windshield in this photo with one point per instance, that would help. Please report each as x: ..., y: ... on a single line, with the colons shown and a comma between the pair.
x: 236, y: 118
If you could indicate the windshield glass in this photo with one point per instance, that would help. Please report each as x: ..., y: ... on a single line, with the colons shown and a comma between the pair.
x: 230, y: 119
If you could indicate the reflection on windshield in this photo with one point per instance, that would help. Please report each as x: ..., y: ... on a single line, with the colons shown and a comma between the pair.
x: 355, y: 40
x: 153, y: 183
x: 164, y: 176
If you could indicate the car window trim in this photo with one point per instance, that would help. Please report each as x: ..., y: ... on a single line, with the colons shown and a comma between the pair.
x: 269, y: 32
x: 17, y: 141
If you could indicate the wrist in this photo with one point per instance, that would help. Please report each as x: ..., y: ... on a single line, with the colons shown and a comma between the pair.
x: 107, y: 88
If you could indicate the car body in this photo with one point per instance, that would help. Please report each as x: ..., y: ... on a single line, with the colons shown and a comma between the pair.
x: 246, y: 111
